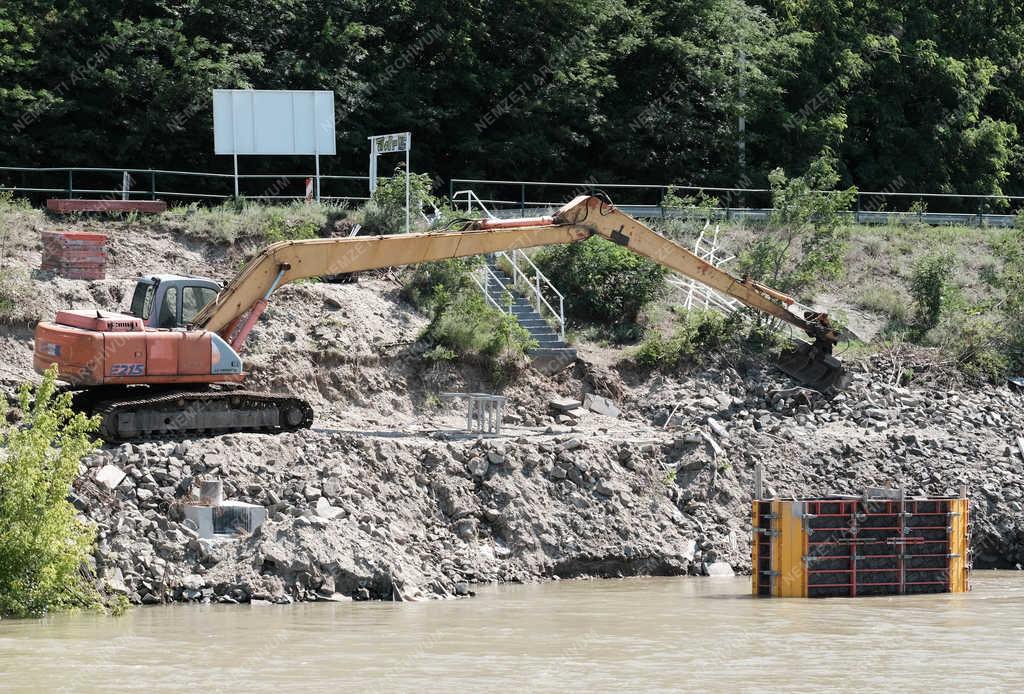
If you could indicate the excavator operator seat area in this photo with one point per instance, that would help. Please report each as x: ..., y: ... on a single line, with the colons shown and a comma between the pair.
x: 171, y: 301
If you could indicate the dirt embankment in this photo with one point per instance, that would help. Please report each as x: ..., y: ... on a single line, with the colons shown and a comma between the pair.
x: 385, y: 499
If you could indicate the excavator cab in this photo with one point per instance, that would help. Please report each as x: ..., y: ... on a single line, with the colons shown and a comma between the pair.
x: 171, y: 301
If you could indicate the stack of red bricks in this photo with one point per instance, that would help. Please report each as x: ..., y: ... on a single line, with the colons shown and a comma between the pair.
x: 75, y: 255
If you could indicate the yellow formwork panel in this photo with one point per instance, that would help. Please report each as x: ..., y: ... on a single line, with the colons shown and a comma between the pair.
x: 959, y: 567
x: 791, y: 544
x: 788, y: 545
x: 754, y: 542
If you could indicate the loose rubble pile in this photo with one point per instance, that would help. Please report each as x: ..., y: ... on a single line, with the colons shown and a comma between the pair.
x: 874, y: 434
x: 361, y: 517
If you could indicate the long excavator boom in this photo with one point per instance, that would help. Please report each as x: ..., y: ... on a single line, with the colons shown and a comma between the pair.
x: 146, y: 380
x: 236, y: 309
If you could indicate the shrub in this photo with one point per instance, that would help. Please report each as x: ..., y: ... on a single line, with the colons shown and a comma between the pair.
x: 10, y: 203
x: 981, y: 345
x: 384, y: 213
x: 462, y: 322
x: 931, y: 289
x: 805, y: 241
x: 697, y: 334
x: 466, y: 324
x: 422, y: 280
x: 602, y: 282
x: 43, y: 546
x: 243, y: 220
x: 699, y: 204
x: 378, y: 220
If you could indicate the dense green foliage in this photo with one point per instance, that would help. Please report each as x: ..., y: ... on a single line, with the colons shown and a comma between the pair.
x: 43, y: 546
x: 384, y: 213
x: 462, y: 322
x: 602, y: 282
x: 912, y: 95
x: 931, y: 288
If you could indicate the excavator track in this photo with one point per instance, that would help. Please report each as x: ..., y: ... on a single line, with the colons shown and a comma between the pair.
x: 199, y: 413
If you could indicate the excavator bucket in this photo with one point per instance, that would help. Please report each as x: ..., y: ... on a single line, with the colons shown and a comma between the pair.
x: 813, y: 367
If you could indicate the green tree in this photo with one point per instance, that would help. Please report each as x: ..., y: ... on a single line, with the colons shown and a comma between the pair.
x: 806, y: 236
x: 43, y: 546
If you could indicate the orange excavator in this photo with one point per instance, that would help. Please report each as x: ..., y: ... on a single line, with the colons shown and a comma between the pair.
x: 172, y: 367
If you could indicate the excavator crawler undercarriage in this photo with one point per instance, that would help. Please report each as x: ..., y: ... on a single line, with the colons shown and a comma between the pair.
x: 129, y: 413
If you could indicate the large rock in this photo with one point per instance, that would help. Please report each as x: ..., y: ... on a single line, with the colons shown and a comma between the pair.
x: 600, y: 405
x: 110, y: 476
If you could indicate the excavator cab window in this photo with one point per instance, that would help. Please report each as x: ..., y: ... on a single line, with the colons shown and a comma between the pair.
x: 192, y: 300
x: 142, y: 300
x: 169, y: 309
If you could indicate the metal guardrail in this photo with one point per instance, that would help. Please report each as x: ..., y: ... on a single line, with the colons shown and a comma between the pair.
x: 131, y: 183
x: 531, y: 287
x: 763, y: 213
x: 869, y: 208
x: 469, y: 199
x: 134, y: 183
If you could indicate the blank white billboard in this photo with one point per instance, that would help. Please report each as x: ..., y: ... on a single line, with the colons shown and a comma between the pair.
x: 259, y: 121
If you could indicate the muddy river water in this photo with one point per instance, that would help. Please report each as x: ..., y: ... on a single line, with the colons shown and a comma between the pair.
x: 651, y: 634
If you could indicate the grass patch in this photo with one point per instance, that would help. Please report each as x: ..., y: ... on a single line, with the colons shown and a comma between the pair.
x: 890, y: 302
x: 233, y: 222
x: 463, y: 324
x: 696, y: 335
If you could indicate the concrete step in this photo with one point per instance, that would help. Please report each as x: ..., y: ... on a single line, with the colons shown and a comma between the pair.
x: 551, y: 360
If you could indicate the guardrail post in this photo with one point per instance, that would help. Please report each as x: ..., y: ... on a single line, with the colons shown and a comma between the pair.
x: 152, y: 184
x: 451, y: 191
x: 522, y: 199
x: 981, y: 214
x: 71, y: 184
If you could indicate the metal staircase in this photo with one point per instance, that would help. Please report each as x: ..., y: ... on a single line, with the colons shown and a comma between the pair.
x: 520, y: 295
x: 513, y: 284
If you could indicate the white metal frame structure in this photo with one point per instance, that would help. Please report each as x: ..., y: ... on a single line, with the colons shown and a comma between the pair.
x: 389, y: 144
x: 697, y: 293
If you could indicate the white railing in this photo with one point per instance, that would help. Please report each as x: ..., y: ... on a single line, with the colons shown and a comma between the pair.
x: 469, y: 198
x: 531, y: 287
x: 485, y: 278
x: 698, y: 293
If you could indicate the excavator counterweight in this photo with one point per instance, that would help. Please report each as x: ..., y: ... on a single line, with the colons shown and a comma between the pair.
x: 169, y: 367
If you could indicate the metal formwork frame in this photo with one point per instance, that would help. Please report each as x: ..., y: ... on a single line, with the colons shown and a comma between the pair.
x: 853, y: 546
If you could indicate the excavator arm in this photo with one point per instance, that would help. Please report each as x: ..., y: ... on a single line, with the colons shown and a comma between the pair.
x: 235, y: 310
